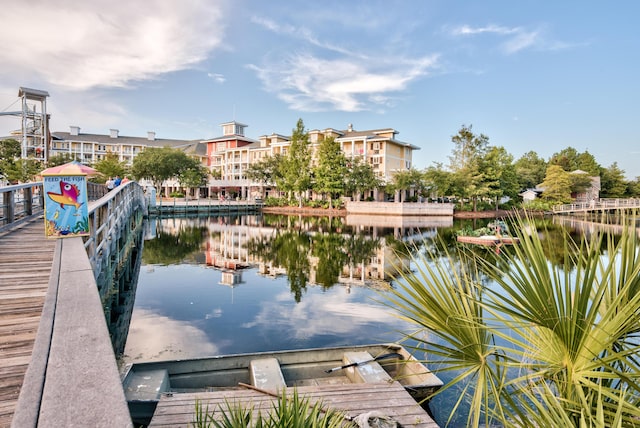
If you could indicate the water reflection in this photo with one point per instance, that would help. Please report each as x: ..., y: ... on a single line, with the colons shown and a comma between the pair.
x: 225, y: 285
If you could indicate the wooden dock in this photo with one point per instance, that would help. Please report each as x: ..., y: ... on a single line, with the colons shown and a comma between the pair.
x: 26, y: 257
x: 178, y: 410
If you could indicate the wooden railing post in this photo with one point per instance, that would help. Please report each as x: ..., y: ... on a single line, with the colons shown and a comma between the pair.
x: 9, y: 206
x: 28, y: 201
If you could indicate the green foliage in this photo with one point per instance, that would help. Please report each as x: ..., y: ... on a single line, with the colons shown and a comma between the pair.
x: 545, y: 344
x: 405, y: 180
x: 330, y: 170
x: 530, y: 170
x: 160, y: 164
x: 60, y: 159
x: 613, y: 184
x: 193, y: 174
x: 169, y: 248
x: 359, y: 177
x: 570, y: 160
x: 467, y: 164
x: 580, y: 182
x: 287, y: 412
x: 438, y: 182
x: 296, y: 165
x: 111, y: 166
x: 12, y: 167
x: 10, y: 149
x: 557, y: 185
x: 266, y: 170
x: 539, y: 205
x: 22, y: 170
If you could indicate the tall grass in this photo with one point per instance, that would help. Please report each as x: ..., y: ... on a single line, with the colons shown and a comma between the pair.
x: 287, y: 412
x: 546, y: 344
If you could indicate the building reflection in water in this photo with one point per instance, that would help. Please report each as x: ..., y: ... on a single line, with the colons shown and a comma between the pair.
x: 356, y: 250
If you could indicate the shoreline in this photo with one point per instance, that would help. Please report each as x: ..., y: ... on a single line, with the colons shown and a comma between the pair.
x: 343, y: 212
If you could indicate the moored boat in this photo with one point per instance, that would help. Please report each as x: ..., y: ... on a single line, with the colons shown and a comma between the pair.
x: 487, y: 239
x: 496, y: 233
x: 145, y: 383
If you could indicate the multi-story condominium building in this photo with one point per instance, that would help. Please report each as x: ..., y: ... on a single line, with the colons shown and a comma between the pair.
x: 230, y: 155
x: 92, y: 148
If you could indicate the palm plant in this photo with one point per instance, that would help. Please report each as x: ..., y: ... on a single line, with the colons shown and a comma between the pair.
x: 293, y: 411
x: 540, y: 346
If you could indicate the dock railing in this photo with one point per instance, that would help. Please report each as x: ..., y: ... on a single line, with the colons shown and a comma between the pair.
x: 20, y: 202
x: 597, y: 205
x: 73, y: 377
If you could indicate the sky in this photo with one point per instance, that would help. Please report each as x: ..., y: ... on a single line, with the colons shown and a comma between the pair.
x: 530, y: 75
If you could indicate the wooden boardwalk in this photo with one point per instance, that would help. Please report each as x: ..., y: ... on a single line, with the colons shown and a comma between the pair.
x: 391, y: 399
x: 26, y: 257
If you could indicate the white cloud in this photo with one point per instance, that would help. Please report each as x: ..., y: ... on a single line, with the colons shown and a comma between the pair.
x: 110, y: 43
x: 321, y: 314
x: 521, y: 41
x: 157, y: 337
x: 516, y: 38
x: 218, y: 78
x: 310, y: 83
x: 465, y: 30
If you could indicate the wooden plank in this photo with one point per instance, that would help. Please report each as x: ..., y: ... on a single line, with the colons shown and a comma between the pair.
x: 391, y: 399
x: 26, y: 257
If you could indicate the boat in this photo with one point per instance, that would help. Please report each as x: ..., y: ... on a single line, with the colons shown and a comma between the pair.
x: 146, y: 382
x: 487, y: 240
x: 496, y: 233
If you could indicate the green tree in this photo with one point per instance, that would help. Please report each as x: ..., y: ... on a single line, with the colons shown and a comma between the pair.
x: 587, y: 162
x: 111, y: 166
x: 556, y: 185
x: 500, y: 174
x: 296, y: 168
x: 466, y: 164
x: 10, y: 151
x: 580, y: 181
x: 541, y: 347
x: 566, y: 158
x: 360, y: 177
x: 265, y: 171
x: 329, y: 250
x: 405, y: 180
x: 60, y: 159
x: 530, y: 170
x: 193, y: 174
x: 23, y: 170
x: 633, y: 188
x: 160, y: 164
x: 571, y: 160
x: 438, y: 181
x: 613, y: 183
x: 331, y: 170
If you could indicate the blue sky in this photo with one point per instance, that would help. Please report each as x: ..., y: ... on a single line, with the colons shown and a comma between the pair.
x: 531, y: 75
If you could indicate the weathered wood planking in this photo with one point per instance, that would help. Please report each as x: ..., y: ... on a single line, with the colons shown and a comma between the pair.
x: 26, y: 257
x: 391, y: 399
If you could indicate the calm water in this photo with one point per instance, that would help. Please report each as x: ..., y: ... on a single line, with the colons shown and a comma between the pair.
x: 298, y: 283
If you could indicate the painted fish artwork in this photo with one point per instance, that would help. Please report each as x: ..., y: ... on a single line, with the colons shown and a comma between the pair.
x: 65, y: 206
x: 68, y: 195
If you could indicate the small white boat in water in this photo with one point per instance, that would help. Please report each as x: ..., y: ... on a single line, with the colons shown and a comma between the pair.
x: 145, y: 383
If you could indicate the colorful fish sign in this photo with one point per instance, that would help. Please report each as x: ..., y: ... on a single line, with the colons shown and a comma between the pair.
x: 66, y: 211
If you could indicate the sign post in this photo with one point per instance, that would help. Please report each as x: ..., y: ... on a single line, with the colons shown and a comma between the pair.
x: 66, y: 211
